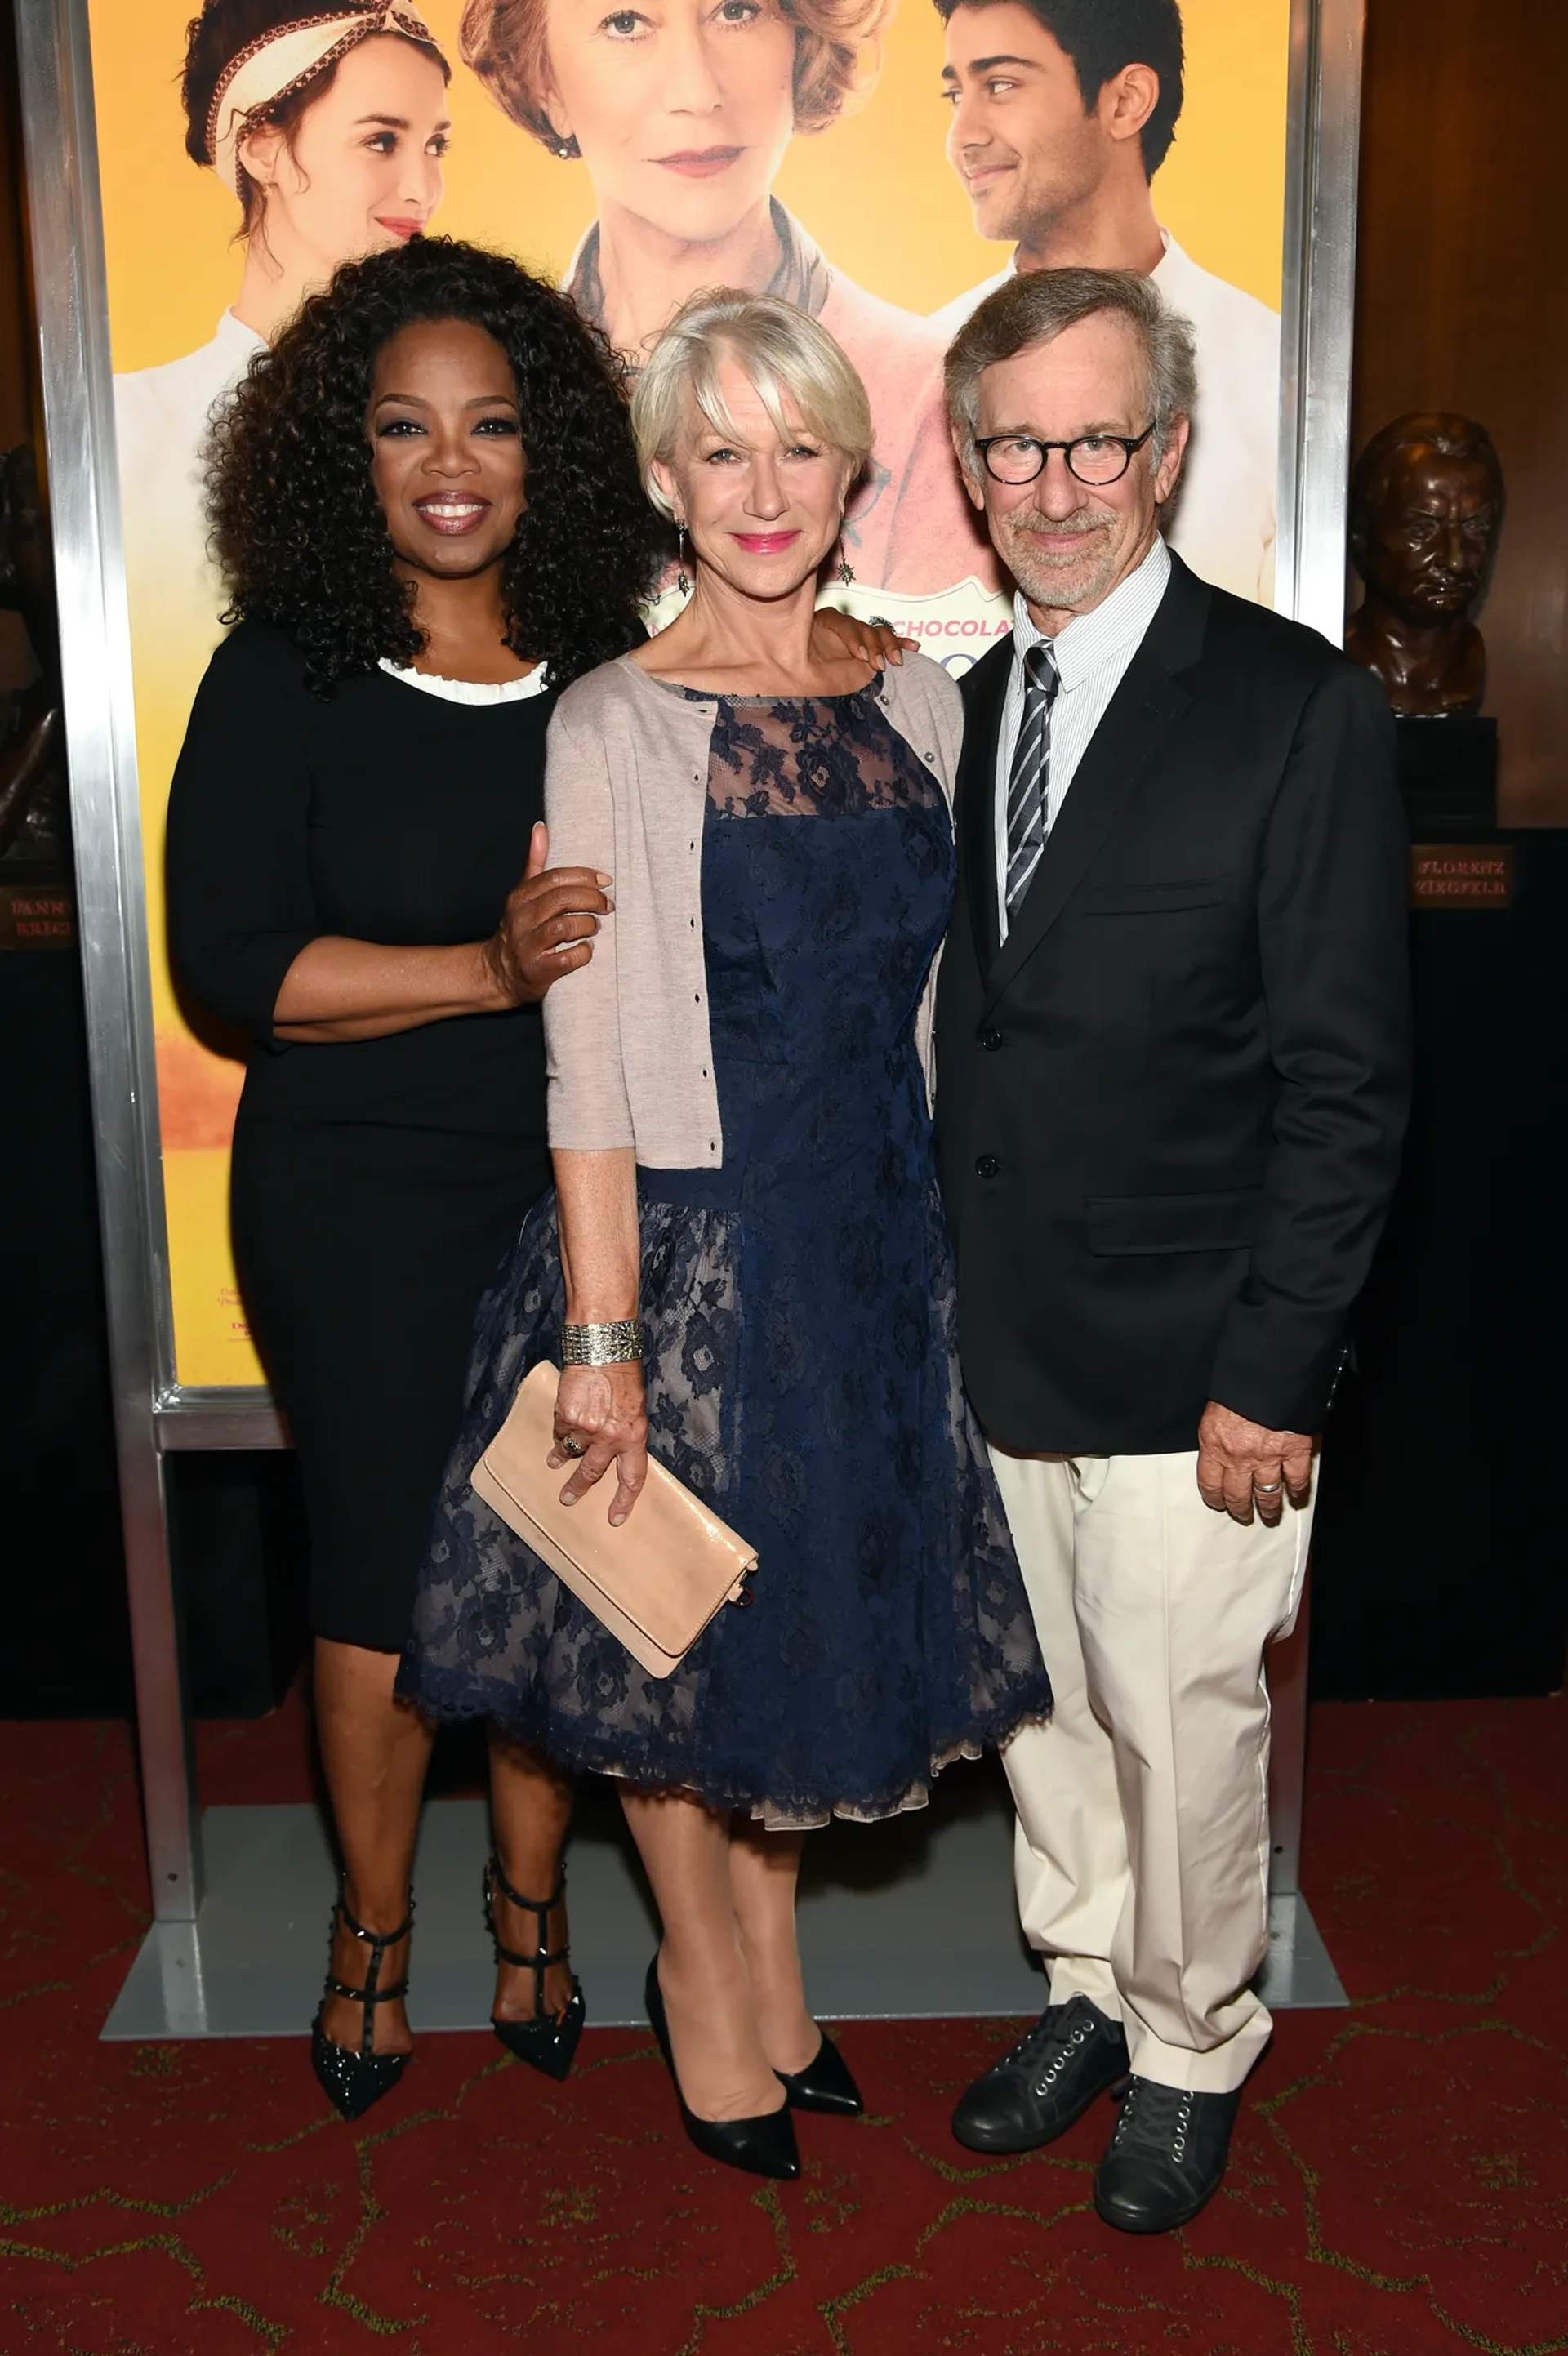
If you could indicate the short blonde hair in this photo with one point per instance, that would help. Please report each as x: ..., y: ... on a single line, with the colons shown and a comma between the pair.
x: 790, y: 358
x: 837, y: 58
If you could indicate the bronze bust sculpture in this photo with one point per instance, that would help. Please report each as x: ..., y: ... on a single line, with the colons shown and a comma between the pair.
x: 1425, y: 502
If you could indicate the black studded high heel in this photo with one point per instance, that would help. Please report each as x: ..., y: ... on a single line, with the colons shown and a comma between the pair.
x: 826, y: 2083
x: 549, y: 2041
x: 352, y: 2082
x: 764, y: 2146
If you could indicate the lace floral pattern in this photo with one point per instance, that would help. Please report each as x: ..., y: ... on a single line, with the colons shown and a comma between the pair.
x: 802, y: 1369
x: 801, y: 760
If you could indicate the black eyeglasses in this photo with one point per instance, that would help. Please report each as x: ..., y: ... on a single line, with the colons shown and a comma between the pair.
x: 1097, y: 458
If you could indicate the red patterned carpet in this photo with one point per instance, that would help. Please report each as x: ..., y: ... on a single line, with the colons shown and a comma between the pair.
x: 1400, y: 2180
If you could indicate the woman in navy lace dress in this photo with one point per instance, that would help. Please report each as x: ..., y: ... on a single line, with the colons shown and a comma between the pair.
x: 741, y: 1139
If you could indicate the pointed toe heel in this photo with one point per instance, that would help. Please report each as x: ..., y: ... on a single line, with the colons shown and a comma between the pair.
x: 547, y: 2042
x: 826, y: 2083
x: 353, y: 2081
x: 759, y: 2146
x: 549, y: 2046
x: 764, y: 2146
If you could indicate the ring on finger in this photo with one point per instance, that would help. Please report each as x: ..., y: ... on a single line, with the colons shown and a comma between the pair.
x: 1267, y: 1488
x: 570, y: 1445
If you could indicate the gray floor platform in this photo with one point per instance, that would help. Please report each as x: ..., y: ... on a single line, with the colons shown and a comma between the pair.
x: 912, y: 1920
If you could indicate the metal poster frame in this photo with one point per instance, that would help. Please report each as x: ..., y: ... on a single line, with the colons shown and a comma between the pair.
x: 154, y: 1413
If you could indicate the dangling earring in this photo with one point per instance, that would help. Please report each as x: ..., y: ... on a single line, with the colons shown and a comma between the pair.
x: 846, y: 570
x: 681, y: 583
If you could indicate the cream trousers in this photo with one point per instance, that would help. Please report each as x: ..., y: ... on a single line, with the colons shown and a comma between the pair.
x: 1141, y: 1849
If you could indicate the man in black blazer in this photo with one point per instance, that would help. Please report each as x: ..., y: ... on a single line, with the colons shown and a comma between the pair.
x: 1172, y: 1075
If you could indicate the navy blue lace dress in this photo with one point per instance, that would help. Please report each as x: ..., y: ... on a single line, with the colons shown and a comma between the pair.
x: 802, y: 1369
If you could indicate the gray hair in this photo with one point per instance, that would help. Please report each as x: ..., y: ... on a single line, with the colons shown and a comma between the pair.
x: 790, y: 358
x: 1033, y: 307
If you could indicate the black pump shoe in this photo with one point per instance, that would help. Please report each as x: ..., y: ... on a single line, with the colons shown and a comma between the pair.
x: 763, y: 2146
x: 352, y: 2082
x: 824, y: 2084
x: 549, y: 2041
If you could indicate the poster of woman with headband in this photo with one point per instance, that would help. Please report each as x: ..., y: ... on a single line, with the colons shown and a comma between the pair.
x: 883, y: 169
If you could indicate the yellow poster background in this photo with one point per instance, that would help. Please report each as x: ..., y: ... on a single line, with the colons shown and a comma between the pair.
x: 874, y: 188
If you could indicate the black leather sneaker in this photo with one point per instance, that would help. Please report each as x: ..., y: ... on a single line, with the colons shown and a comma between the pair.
x: 1072, y: 2054
x: 1166, y: 2156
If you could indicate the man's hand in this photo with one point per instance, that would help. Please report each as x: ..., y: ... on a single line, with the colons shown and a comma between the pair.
x: 1244, y: 1469
x: 547, y: 927
x: 872, y: 643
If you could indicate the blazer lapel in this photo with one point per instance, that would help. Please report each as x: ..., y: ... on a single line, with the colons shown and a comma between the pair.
x: 1134, y: 727
x: 985, y: 693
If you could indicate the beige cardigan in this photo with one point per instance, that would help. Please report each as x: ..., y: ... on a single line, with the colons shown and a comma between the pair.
x: 626, y: 788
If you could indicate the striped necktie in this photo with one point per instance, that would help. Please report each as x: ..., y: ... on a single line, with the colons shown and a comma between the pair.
x: 1029, y: 784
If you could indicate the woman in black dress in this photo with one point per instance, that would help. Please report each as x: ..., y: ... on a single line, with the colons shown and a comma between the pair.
x: 427, y: 511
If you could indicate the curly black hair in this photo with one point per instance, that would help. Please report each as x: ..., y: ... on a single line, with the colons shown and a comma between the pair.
x: 300, y: 533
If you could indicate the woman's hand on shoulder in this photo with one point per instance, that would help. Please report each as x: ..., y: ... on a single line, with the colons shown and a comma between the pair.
x: 547, y: 927
x: 872, y: 643
x: 603, y: 1410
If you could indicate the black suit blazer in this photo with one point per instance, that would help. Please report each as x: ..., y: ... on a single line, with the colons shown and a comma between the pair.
x: 1170, y: 1106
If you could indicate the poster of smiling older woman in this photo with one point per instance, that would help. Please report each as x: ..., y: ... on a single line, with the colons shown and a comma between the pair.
x: 683, y: 113
x: 878, y: 162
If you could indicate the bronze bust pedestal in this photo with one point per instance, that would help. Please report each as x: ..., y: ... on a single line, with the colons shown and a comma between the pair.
x: 1425, y: 502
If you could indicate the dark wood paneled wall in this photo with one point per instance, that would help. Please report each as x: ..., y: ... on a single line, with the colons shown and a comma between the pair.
x: 1462, y: 303
x: 16, y: 325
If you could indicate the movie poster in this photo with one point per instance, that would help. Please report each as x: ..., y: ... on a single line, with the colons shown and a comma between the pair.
x: 885, y: 168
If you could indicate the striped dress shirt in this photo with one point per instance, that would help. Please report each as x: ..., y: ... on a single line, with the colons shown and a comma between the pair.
x: 1092, y: 653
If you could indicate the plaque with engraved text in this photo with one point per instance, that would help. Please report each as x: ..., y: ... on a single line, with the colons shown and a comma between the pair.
x: 1461, y: 874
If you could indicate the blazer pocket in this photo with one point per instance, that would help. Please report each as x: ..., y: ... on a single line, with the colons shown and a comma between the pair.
x: 1156, y: 899
x: 1121, y: 1223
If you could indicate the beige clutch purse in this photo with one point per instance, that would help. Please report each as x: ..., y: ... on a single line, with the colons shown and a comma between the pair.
x: 657, y: 1580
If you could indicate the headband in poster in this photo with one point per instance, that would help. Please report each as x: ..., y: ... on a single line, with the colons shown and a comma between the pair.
x: 275, y: 66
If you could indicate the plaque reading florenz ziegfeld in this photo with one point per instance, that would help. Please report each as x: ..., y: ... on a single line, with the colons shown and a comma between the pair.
x: 1461, y: 875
